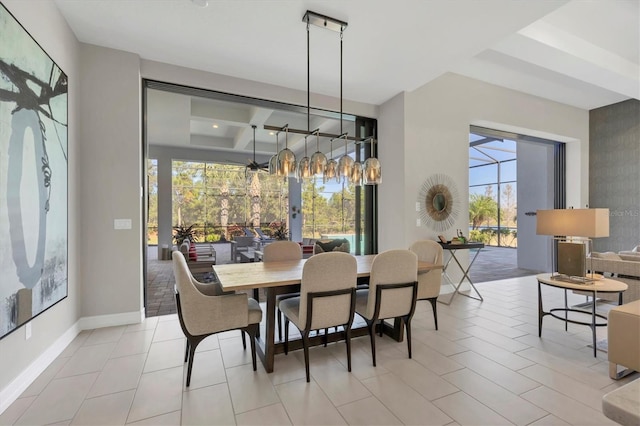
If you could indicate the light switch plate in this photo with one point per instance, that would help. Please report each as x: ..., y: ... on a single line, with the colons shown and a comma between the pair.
x: 122, y: 224
x: 418, y: 222
x: 417, y: 206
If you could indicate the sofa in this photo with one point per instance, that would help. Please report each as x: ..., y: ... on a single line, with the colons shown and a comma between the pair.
x: 623, y: 336
x: 621, y: 267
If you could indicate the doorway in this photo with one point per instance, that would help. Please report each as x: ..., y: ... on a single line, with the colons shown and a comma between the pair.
x: 511, y: 176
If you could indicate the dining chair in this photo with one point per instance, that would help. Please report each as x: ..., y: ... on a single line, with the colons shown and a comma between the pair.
x: 392, y: 293
x: 327, y: 299
x: 204, y: 309
x: 279, y: 251
x: 429, y: 282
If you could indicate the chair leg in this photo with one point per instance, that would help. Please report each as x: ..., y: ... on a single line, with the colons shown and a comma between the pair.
x: 407, y: 325
x: 192, y: 352
x: 434, y: 303
x: 371, y: 326
x: 348, y: 342
x: 286, y: 336
x: 279, y: 317
x: 252, y: 331
x: 381, y: 327
x: 186, y: 352
x: 305, y: 345
x: 244, y: 341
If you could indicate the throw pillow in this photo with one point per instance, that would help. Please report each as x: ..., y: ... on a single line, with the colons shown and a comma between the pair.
x: 609, y: 255
x: 331, y: 245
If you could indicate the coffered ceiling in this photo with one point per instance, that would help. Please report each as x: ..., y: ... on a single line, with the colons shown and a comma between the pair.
x: 583, y: 53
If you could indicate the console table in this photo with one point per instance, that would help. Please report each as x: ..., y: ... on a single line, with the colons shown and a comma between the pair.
x: 453, y: 248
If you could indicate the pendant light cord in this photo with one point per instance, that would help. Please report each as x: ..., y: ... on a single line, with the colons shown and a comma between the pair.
x: 308, y: 80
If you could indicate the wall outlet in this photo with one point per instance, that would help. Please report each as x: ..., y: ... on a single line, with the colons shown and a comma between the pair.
x: 417, y: 206
x: 27, y: 331
x: 418, y: 222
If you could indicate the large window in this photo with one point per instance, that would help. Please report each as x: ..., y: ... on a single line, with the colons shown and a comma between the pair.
x: 221, y: 199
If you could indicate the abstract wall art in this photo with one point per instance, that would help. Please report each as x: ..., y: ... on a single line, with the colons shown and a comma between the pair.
x: 33, y: 178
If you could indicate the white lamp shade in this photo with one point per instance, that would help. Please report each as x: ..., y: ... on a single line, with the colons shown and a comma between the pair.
x: 589, y: 223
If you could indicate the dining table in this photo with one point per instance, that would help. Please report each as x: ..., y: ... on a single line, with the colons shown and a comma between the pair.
x: 284, y: 277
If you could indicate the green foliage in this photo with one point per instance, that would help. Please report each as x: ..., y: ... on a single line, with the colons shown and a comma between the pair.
x: 481, y: 209
x: 182, y: 233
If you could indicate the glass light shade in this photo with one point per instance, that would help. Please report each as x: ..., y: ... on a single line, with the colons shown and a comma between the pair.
x: 372, y: 171
x: 318, y: 163
x: 273, y: 165
x: 331, y: 171
x: 304, y: 169
x: 286, y: 163
x: 356, y: 174
x: 345, y: 166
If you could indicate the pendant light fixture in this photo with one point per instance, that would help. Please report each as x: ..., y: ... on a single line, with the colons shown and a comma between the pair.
x: 304, y: 167
x: 347, y: 168
x: 331, y: 171
x: 318, y: 159
x: 356, y: 174
x: 286, y: 158
x: 345, y: 165
x: 273, y: 161
x: 372, y: 168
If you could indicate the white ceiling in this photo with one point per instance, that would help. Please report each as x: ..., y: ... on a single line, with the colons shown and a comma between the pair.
x: 583, y: 53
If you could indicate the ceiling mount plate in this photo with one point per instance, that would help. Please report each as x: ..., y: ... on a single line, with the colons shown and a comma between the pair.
x: 323, y: 21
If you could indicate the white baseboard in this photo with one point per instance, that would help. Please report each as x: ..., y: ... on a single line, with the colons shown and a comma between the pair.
x: 112, y: 320
x: 10, y: 393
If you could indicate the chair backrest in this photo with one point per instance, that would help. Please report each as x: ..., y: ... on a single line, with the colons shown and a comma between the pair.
x: 281, y: 250
x: 392, y: 267
x: 428, y: 282
x: 187, y: 290
x: 248, y: 232
x: 202, y: 313
x: 326, y: 246
x: 328, y: 272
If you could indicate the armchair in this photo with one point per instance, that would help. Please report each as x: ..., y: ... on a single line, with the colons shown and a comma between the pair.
x: 203, y: 310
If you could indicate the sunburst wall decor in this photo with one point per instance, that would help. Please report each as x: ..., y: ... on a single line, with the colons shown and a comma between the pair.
x: 439, y: 202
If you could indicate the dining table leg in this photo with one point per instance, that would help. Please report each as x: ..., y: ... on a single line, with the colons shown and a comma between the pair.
x: 270, y: 322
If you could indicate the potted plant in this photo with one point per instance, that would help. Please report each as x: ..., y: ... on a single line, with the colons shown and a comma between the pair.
x: 182, y: 233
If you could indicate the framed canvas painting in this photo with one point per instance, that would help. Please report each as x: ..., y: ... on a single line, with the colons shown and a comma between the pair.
x: 33, y: 178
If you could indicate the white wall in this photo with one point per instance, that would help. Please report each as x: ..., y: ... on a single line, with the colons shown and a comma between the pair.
x: 436, y: 124
x: 111, y: 188
x: 50, y: 30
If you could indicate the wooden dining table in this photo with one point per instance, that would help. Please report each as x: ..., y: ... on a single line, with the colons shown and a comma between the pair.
x: 282, y: 278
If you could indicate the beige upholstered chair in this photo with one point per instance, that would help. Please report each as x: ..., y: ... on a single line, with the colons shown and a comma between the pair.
x: 203, y: 310
x: 327, y: 299
x: 429, y: 282
x: 392, y: 292
x: 276, y: 252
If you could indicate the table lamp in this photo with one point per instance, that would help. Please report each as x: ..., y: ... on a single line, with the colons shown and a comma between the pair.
x: 569, y: 224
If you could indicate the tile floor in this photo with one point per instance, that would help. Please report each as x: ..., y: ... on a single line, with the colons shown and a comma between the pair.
x: 485, y: 366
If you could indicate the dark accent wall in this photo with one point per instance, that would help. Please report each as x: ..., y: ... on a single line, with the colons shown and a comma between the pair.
x: 614, y: 172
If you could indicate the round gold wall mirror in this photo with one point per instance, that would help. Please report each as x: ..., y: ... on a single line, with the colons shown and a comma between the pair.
x: 439, y: 202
